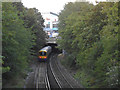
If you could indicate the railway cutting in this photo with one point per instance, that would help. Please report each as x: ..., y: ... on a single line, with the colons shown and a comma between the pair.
x: 62, y: 77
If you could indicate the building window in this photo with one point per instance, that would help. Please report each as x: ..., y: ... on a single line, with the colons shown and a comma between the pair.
x: 55, y: 26
x: 47, y: 25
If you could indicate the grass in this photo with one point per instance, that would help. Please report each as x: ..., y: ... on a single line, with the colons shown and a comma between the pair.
x: 82, y: 76
x: 85, y: 79
x: 17, y: 81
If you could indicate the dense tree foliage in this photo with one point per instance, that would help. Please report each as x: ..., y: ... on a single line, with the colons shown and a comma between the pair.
x: 23, y: 33
x: 33, y: 20
x: 89, y: 35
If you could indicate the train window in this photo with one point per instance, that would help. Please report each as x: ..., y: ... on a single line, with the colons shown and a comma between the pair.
x: 42, y: 53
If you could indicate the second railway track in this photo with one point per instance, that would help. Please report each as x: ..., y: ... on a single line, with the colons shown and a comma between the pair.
x: 50, y: 75
x: 62, y: 77
x: 57, y: 73
x: 41, y: 77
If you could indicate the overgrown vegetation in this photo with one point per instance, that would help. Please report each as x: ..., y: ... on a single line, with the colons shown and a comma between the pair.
x: 89, y: 35
x: 22, y: 37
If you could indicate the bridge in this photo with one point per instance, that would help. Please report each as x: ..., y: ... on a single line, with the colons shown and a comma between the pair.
x: 51, y: 40
x: 53, y: 43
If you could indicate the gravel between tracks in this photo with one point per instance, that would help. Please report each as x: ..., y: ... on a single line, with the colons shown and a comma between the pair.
x: 37, y: 78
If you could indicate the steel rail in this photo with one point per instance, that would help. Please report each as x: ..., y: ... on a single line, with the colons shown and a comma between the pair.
x: 62, y: 74
x: 60, y: 78
x: 47, y: 81
x: 57, y: 81
x: 39, y: 81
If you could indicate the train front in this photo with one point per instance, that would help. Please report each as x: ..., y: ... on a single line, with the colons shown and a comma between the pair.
x: 42, y: 56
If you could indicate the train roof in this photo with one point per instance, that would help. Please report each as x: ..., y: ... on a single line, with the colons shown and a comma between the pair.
x: 45, y: 48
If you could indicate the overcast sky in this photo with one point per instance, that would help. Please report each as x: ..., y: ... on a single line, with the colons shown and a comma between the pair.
x: 49, y: 5
x: 45, y: 6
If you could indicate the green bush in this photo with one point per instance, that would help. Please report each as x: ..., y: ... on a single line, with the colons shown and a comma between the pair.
x: 90, y: 35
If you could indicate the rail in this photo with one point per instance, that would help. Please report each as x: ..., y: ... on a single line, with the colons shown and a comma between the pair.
x: 59, y: 77
x: 41, y: 78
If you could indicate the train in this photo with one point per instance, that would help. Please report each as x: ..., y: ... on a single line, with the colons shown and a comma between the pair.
x: 44, y: 53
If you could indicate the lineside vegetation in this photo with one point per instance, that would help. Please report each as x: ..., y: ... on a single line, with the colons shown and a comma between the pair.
x: 89, y: 35
x: 22, y: 37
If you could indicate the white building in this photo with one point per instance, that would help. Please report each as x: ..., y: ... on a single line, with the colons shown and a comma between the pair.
x: 51, y: 24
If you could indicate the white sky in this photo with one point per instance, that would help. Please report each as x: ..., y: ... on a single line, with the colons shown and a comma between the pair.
x: 46, y: 5
x: 49, y: 5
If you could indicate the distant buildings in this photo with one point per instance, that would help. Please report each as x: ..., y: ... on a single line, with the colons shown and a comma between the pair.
x: 51, y: 25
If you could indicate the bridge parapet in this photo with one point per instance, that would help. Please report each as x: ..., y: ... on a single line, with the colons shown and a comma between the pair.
x: 51, y: 40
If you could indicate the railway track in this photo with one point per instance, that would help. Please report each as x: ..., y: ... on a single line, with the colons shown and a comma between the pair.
x: 58, y: 74
x: 62, y: 77
x: 41, y: 77
x: 50, y: 75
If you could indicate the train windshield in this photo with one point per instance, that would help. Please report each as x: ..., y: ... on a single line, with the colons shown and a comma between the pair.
x: 42, y: 53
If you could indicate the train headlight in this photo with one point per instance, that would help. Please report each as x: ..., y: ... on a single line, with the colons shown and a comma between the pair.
x: 40, y: 57
x: 45, y: 57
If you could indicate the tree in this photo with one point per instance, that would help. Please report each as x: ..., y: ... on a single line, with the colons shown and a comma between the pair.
x: 16, y: 42
x: 23, y: 36
x: 91, y: 40
x: 33, y: 19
